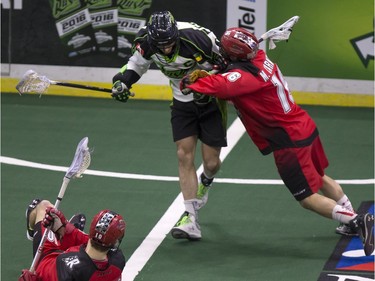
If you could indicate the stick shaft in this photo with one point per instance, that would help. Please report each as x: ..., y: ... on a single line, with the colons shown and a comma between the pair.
x: 46, y: 232
x: 80, y: 86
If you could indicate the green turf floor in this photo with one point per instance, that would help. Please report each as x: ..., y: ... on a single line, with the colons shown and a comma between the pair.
x: 249, y: 232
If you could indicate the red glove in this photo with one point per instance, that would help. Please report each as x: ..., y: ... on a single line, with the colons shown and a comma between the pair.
x: 54, y: 219
x: 27, y: 275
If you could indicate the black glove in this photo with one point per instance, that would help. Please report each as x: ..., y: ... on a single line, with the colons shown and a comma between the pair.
x: 120, y: 92
x: 220, y: 64
x: 185, y: 81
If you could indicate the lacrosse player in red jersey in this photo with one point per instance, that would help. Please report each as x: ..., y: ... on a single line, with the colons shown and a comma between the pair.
x: 69, y: 253
x: 276, y: 124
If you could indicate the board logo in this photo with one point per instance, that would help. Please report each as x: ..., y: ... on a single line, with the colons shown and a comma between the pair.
x: 348, y: 261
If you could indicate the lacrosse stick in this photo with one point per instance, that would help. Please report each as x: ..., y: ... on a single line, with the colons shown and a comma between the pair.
x: 279, y: 33
x: 81, y: 162
x: 32, y: 82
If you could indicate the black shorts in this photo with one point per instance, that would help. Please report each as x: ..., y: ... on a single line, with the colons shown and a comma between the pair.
x: 207, y: 122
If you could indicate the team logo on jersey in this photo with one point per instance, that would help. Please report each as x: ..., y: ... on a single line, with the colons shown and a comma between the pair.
x: 348, y: 261
x: 71, y: 261
x: 233, y: 76
x: 197, y: 57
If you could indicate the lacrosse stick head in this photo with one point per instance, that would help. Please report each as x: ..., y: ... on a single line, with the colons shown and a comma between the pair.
x: 32, y: 82
x: 81, y: 161
x: 280, y: 33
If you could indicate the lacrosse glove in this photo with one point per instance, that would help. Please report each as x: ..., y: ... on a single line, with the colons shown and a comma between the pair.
x: 190, y: 79
x: 27, y: 275
x: 120, y: 92
x: 220, y: 65
x: 54, y: 219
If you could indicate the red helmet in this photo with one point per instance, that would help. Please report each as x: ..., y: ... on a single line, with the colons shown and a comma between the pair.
x: 107, y: 229
x: 239, y: 44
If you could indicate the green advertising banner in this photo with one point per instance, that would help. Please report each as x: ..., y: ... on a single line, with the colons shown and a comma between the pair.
x: 330, y: 51
x: 333, y: 39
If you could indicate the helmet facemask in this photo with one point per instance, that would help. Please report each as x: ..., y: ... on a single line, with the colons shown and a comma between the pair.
x: 162, y: 32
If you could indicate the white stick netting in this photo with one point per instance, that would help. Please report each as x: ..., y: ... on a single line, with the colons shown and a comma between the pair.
x: 81, y: 161
x: 31, y: 82
x: 280, y: 33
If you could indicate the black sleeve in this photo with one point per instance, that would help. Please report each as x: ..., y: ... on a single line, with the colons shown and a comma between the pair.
x: 129, y: 77
x: 201, y: 40
x: 117, y: 258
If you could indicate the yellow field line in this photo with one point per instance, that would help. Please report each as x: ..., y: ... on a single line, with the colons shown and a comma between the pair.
x: 163, y: 92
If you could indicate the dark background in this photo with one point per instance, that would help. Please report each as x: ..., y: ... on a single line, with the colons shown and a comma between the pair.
x: 34, y: 38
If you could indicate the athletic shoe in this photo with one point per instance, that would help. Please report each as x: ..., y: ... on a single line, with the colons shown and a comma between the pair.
x: 364, y: 224
x: 203, y: 189
x: 346, y: 230
x: 79, y: 221
x: 29, y: 229
x: 187, y: 228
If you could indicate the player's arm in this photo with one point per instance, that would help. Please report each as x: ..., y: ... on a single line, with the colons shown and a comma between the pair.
x: 66, y: 232
x: 130, y: 73
x: 224, y: 86
x: 27, y: 275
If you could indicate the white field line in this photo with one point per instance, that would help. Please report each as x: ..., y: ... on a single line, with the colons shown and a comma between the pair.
x: 24, y: 163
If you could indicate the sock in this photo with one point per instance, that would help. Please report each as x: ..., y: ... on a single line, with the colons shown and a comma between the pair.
x: 342, y: 214
x: 345, y: 202
x: 191, y: 206
x: 206, y: 181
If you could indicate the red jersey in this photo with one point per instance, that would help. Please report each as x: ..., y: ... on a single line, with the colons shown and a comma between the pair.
x: 263, y: 102
x: 68, y: 261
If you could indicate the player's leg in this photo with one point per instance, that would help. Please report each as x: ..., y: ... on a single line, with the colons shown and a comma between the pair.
x: 35, y: 213
x: 186, y: 167
x: 303, y: 175
x: 211, y: 165
x: 184, y: 120
x: 302, y: 170
x: 188, y: 226
x: 333, y: 190
x: 330, y: 188
x: 362, y: 224
x: 325, y: 207
x: 212, y: 133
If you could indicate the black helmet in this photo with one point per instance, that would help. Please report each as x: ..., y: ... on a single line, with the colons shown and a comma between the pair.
x: 162, y: 29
